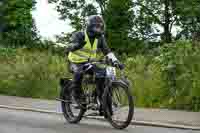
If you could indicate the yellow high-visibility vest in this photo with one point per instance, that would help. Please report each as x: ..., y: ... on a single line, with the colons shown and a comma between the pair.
x: 87, y: 52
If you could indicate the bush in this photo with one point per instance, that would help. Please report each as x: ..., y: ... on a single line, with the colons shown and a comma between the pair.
x: 147, y: 84
x: 30, y: 73
x: 171, y: 79
x: 181, y: 72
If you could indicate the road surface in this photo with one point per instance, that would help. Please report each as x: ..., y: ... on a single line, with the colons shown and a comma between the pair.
x: 12, y: 121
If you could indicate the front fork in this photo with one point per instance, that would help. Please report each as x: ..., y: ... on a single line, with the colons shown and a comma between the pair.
x: 108, y: 96
x: 64, y: 82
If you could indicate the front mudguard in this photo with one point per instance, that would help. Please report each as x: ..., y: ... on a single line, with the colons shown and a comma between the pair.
x: 65, y: 84
x: 123, y: 82
x: 64, y: 81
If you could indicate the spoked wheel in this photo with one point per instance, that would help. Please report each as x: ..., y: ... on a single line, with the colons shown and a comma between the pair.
x: 72, y: 112
x: 119, y: 105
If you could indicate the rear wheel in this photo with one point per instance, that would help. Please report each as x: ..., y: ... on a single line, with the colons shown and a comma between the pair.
x: 72, y: 112
x: 119, y: 105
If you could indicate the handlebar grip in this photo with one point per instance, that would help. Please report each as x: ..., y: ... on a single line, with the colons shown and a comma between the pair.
x: 119, y: 65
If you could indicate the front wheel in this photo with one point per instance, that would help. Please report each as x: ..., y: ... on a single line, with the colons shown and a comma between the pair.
x: 70, y: 109
x: 118, y: 104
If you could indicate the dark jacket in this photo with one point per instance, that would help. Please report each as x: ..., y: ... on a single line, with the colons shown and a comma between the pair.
x: 77, y: 42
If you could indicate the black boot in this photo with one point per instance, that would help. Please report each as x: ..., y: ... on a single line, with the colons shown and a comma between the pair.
x: 101, y: 111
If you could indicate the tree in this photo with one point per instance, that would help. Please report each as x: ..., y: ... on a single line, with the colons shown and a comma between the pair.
x: 167, y: 14
x: 75, y: 11
x: 116, y: 13
x: 119, y: 22
x: 18, y: 23
x: 151, y: 14
x: 1, y: 16
x: 189, y: 18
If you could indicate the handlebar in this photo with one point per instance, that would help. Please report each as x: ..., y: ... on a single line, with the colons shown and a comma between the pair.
x: 107, y: 62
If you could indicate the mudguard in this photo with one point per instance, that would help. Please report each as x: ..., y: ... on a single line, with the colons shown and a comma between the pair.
x: 64, y: 81
x: 123, y: 82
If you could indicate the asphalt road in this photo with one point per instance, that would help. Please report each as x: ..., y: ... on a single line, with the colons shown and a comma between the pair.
x: 12, y: 121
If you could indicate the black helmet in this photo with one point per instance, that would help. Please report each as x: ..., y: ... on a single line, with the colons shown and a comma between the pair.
x: 95, y: 25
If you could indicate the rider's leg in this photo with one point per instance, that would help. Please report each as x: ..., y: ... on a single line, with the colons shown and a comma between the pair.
x: 99, y: 91
x: 109, y: 103
x: 76, y: 82
x: 76, y: 85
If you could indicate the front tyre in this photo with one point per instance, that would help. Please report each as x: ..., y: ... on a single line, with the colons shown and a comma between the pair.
x: 118, y: 104
x: 70, y: 109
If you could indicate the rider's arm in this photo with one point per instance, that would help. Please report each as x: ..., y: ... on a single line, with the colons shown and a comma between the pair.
x: 106, y: 50
x: 76, y: 42
x: 103, y: 45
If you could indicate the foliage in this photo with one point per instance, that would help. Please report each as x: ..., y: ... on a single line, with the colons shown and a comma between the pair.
x: 168, y: 15
x: 145, y: 76
x: 180, y: 71
x: 30, y: 73
x: 189, y: 21
x: 164, y: 75
x: 17, y: 24
x: 168, y: 80
x: 75, y: 11
x: 118, y: 26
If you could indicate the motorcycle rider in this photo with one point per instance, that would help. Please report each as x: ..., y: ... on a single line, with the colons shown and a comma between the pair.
x: 86, y: 45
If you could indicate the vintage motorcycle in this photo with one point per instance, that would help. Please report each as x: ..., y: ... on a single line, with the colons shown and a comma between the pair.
x: 117, y: 101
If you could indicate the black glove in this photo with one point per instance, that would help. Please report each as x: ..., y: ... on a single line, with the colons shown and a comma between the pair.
x: 121, y: 66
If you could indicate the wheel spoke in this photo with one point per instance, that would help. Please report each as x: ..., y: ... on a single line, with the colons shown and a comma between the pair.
x: 122, y: 106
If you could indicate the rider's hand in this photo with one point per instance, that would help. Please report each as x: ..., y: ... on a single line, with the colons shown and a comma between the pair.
x: 111, y: 57
x: 118, y: 65
x: 121, y: 66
